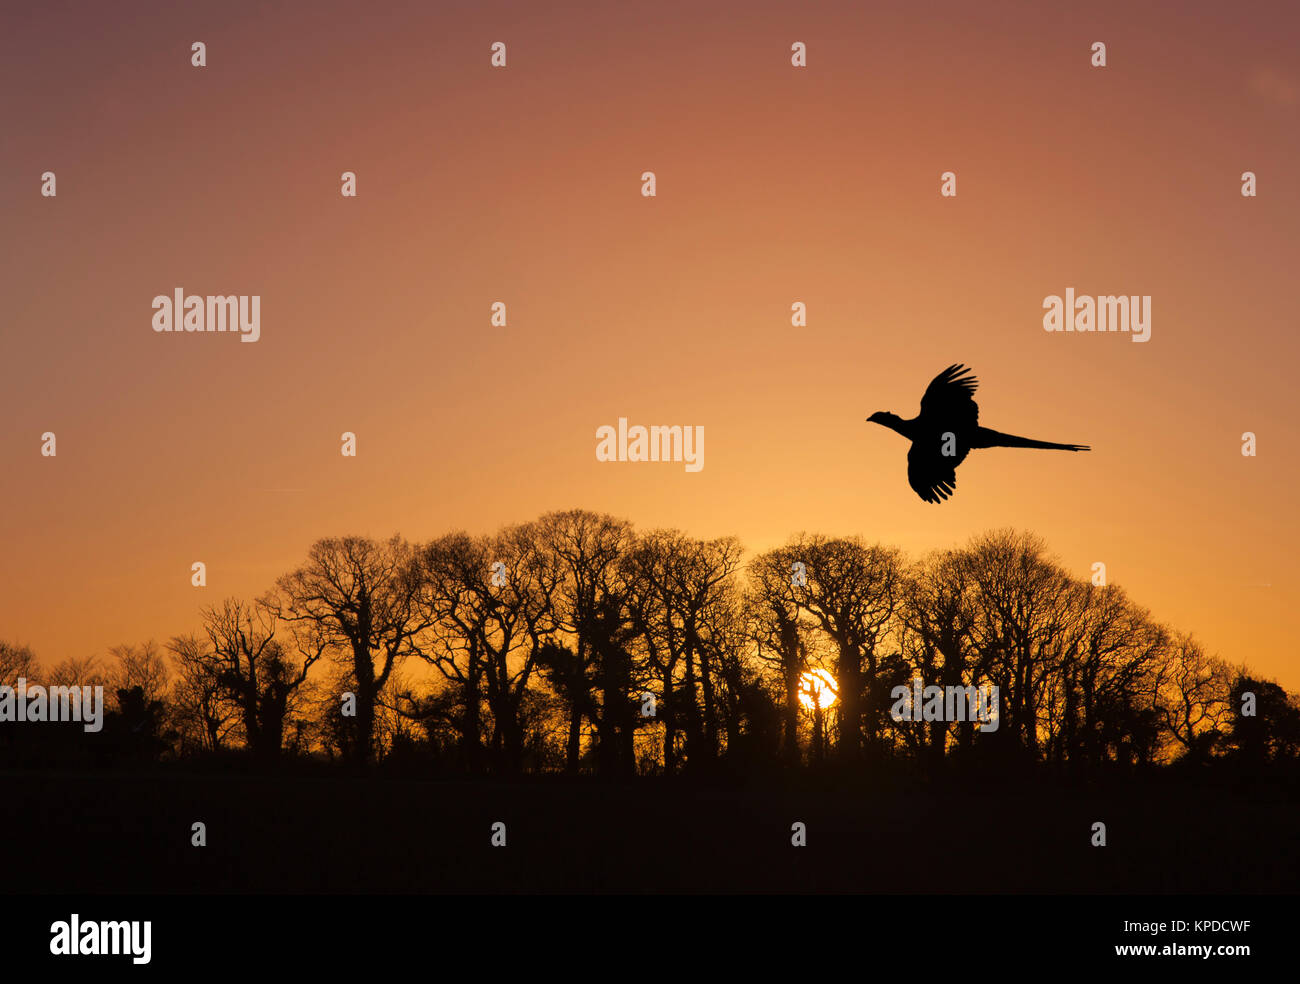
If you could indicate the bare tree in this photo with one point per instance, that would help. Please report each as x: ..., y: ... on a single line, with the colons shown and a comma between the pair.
x: 852, y: 592
x: 255, y: 671
x: 1194, y: 691
x: 15, y: 662
x: 686, y: 613
x: 140, y: 666
x: 936, y: 617
x: 457, y: 607
x: 779, y: 635
x: 73, y: 672
x: 1104, y: 683
x: 1022, y: 610
x: 359, y: 598
x: 201, y: 710
x: 584, y: 553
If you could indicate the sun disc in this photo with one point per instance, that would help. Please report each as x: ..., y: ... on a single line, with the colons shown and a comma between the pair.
x: 816, y: 689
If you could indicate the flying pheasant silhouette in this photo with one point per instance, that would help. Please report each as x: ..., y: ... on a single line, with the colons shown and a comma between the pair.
x: 946, y: 430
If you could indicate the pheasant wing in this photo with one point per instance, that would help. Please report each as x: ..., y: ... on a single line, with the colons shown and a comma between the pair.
x: 932, y: 475
x: 950, y: 399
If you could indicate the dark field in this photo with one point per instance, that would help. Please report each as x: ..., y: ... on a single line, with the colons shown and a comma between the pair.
x: 86, y: 833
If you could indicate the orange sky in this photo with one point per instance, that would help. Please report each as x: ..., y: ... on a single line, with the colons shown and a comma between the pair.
x: 522, y: 185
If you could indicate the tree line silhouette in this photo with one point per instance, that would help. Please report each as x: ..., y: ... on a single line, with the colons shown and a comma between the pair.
x: 577, y: 644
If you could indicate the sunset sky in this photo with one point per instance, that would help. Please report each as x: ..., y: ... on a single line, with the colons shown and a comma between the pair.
x: 523, y: 185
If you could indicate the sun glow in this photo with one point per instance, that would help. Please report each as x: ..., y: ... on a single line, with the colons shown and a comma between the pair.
x: 816, y: 689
